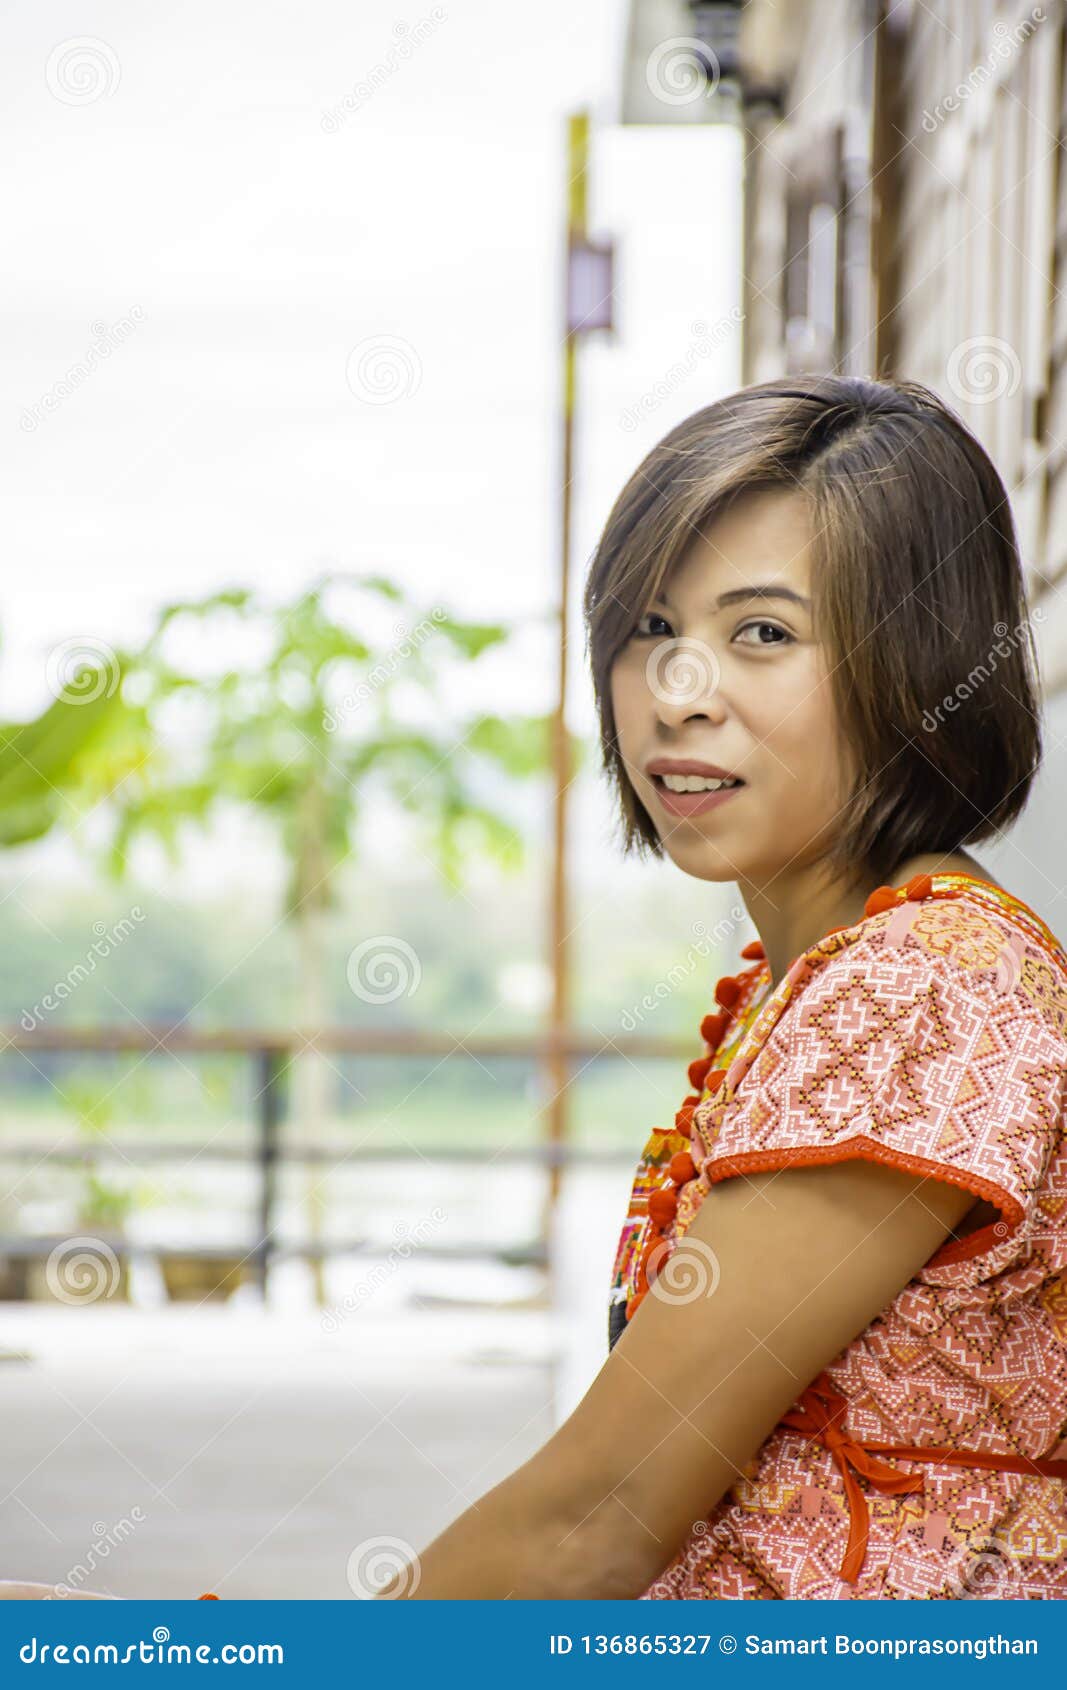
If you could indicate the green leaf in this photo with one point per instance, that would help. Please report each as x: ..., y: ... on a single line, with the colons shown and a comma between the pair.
x: 470, y: 638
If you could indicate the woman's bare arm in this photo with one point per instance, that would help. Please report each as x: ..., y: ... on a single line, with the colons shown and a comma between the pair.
x: 794, y: 1264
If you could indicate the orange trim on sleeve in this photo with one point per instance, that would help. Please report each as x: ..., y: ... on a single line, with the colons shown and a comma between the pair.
x: 863, y: 1149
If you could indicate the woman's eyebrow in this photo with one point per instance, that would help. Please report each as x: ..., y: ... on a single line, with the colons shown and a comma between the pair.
x: 762, y: 590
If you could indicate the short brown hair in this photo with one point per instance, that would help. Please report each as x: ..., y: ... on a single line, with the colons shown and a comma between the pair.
x: 917, y: 580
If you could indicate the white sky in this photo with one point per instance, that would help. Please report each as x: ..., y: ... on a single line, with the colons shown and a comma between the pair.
x: 220, y: 443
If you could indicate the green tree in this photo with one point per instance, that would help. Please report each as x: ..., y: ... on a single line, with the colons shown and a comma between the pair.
x: 312, y: 710
x: 54, y: 767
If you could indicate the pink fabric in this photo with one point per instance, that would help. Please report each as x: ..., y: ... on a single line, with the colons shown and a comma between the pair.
x: 931, y: 1037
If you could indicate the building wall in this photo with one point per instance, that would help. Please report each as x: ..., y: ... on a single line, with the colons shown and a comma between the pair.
x: 906, y: 213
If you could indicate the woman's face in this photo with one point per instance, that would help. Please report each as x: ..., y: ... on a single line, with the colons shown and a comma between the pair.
x: 724, y: 671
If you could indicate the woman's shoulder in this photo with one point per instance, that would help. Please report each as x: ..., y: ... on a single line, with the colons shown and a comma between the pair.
x: 960, y: 929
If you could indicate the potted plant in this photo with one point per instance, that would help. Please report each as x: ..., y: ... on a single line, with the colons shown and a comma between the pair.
x: 197, y: 1276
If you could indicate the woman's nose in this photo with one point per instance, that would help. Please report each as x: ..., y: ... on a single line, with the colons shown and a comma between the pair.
x: 684, y: 678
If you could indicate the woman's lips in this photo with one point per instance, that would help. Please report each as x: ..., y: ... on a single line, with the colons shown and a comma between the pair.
x: 692, y: 803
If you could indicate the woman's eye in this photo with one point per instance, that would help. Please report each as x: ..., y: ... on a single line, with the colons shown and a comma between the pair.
x: 655, y: 633
x: 786, y: 636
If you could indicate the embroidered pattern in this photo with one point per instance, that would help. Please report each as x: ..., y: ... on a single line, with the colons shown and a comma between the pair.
x: 931, y: 1036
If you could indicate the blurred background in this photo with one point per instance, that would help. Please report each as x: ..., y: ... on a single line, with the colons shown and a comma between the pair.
x: 332, y: 1020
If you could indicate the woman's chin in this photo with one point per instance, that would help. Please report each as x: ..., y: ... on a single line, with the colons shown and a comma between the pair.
x: 699, y: 858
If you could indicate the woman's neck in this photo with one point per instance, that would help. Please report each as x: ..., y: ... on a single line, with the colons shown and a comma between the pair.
x: 795, y: 909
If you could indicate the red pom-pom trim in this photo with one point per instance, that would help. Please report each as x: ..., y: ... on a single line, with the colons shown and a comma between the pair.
x: 649, y: 1268
x: 663, y: 1206
x: 919, y: 886
x: 882, y: 898
x: 712, y: 1029
x: 754, y: 951
x: 681, y: 1167
x: 727, y: 991
x: 698, y: 1070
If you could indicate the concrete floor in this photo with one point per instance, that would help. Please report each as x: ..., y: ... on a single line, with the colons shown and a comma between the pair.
x: 174, y: 1451
x: 165, y: 1450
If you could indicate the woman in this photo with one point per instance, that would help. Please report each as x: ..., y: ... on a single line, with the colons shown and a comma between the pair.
x: 838, y: 1316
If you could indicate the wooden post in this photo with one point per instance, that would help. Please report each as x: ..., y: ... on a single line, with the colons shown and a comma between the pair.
x: 557, y: 1064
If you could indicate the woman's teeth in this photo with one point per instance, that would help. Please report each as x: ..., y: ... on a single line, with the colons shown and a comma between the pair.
x: 695, y: 783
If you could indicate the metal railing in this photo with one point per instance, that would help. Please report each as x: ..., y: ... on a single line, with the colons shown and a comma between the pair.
x: 271, y: 1053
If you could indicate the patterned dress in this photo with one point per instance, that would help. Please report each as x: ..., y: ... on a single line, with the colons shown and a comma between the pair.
x: 930, y: 1036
